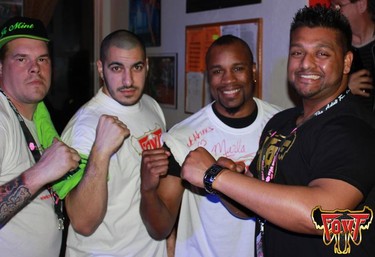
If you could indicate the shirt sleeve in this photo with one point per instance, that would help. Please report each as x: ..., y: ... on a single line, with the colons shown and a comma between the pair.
x: 174, y: 169
x: 346, y: 152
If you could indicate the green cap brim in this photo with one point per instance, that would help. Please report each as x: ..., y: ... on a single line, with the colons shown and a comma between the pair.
x: 5, y: 40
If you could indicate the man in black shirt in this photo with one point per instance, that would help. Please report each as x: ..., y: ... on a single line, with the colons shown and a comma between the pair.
x: 315, y: 161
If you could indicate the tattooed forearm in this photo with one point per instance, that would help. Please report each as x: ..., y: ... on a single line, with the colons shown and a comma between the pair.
x: 13, y: 196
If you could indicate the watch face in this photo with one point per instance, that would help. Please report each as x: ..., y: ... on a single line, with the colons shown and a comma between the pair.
x: 210, y: 176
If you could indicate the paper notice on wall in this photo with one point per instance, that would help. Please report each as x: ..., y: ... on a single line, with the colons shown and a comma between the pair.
x: 194, y: 91
x: 246, y: 31
x: 197, y: 42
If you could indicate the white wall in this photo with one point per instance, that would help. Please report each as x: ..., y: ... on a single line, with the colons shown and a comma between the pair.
x: 109, y: 15
x: 276, y: 14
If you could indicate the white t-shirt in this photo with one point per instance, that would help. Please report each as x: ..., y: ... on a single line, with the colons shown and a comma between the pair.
x: 122, y: 232
x: 205, y: 227
x: 32, y: 231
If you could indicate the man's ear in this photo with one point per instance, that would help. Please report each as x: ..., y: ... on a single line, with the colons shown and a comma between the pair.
x: 99, y: 66
x: 348, y: 62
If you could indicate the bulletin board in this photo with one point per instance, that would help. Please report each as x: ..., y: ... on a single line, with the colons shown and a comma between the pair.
x: 198, y: 39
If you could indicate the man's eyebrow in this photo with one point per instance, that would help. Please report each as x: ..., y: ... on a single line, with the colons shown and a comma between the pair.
x: 138, y: 63
x: 45, y: 55
x: 217, y: 66
x: 120, y: 64
x: 25, y: 55
x: 214, y: 67
x: 114, y: 63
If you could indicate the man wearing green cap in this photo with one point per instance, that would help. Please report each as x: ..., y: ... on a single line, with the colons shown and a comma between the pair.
x: 30, y: 157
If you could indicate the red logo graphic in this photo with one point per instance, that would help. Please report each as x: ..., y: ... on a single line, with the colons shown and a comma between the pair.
x: 151, y: 140
x: 342, y: 226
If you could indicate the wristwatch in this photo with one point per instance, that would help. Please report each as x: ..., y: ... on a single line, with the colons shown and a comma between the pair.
x: 210, y: 176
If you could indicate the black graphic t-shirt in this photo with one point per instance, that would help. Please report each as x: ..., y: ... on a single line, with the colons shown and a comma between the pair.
x: 338, y: 144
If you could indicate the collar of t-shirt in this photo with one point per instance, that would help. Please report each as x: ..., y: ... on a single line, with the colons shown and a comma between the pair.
x: 237, y: 122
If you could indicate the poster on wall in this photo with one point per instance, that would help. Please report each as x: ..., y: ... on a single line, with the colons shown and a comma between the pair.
x: 9, y: 9
x: 144, y: 20
x: 205, y: 5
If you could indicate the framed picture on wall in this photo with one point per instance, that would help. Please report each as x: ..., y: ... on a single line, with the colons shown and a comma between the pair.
x: 144, y: 20
x: 161, y: 81
x: 205, y: 5
x: 9, y: 9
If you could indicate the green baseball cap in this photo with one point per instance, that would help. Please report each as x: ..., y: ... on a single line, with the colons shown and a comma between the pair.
x: 22, y: 27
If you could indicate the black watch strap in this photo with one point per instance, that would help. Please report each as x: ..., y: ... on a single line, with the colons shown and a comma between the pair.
x: 210, y: 176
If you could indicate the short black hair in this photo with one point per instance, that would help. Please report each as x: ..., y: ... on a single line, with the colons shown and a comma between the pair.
x: 324, y: 17
x: 121, y: 38
x: 230, y: 40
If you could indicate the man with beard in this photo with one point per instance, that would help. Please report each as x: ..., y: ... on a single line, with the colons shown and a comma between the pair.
x: 113, y: 129
x: 230, y: 126
x: 314, y: 166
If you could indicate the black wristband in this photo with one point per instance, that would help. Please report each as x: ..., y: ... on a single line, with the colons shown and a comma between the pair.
x: 210, y: 176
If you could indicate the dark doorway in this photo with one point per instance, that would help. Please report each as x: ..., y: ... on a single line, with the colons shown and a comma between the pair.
x: 72, y: 33
x: 71, y: 30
